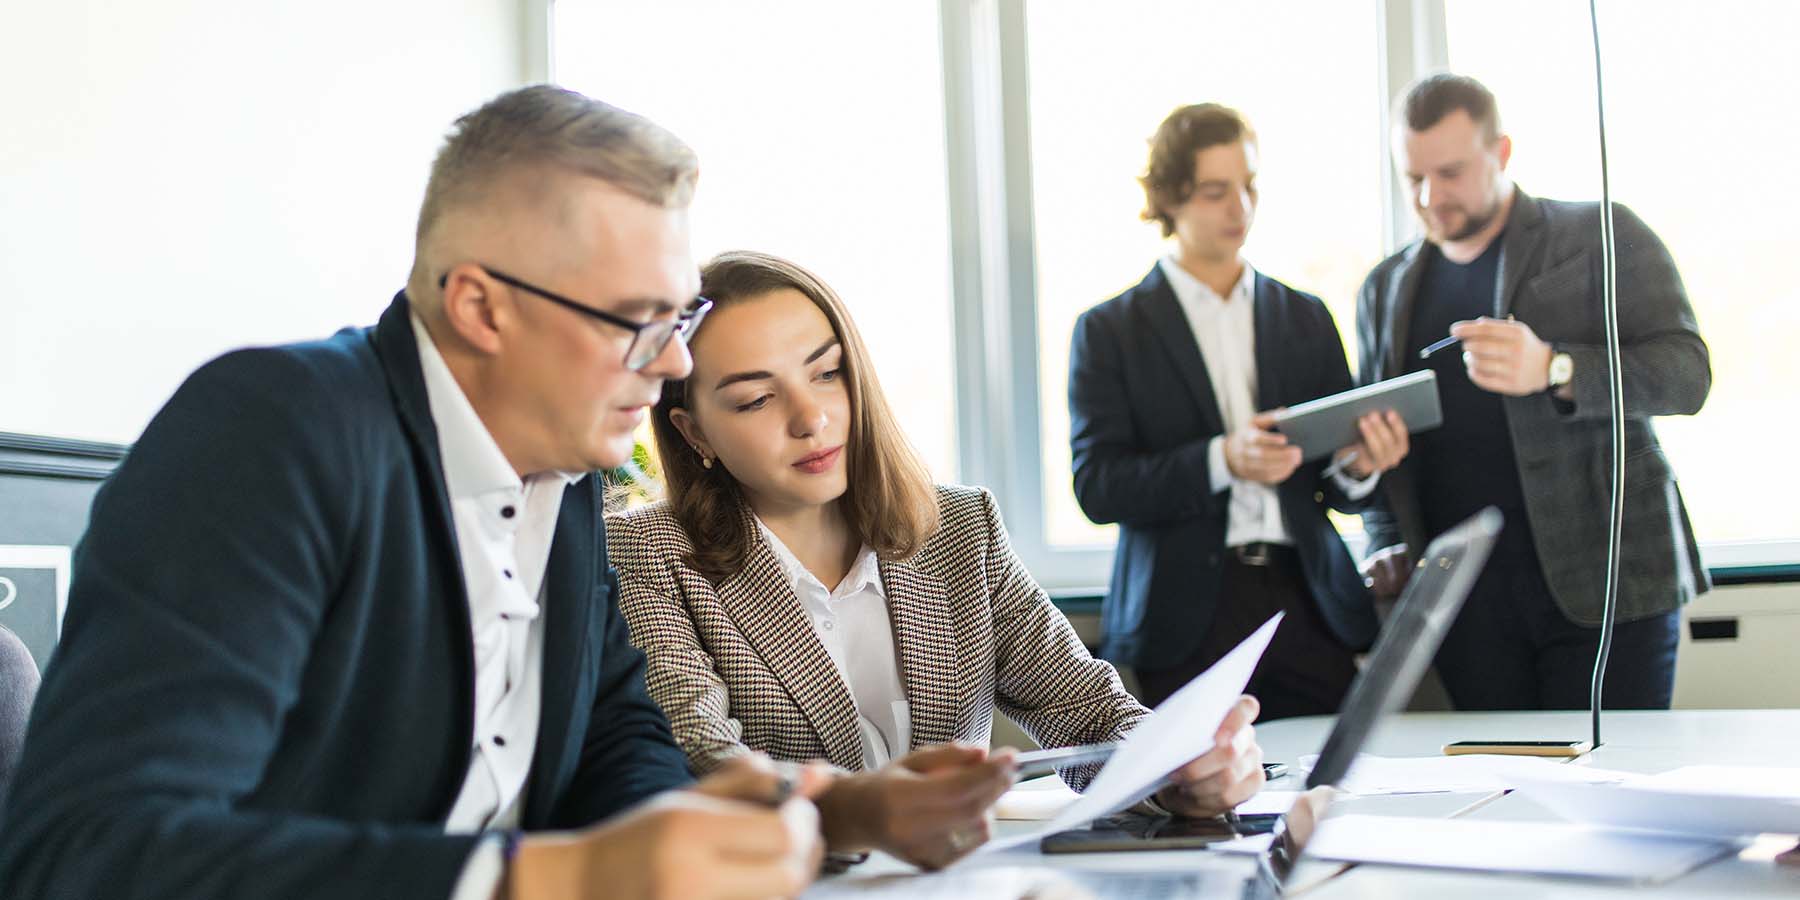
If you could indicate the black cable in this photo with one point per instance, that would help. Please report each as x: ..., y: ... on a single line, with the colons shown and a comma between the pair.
x: 1615, y: 385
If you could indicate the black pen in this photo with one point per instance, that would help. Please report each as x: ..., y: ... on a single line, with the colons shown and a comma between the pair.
x: 1426, y: 351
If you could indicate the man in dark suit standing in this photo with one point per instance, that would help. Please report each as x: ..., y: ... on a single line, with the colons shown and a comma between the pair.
x: 343, y: 623
x: 1170, y: 385
x: 1526, y: 416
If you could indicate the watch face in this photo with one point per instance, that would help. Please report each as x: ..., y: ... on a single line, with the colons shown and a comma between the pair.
x: 1561, y: 368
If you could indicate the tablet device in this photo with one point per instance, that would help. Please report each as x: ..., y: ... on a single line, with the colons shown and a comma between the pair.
x: 1321, y: 427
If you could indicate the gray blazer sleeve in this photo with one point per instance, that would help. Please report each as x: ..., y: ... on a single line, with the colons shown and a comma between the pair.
x: 1667, y: 368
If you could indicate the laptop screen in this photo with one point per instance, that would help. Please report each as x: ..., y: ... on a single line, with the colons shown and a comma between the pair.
x: 1410, y: 638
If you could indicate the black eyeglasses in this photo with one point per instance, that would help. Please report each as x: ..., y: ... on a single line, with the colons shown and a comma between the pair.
x: 648, y: 339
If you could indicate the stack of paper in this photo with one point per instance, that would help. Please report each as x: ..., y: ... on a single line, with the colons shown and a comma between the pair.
x: 1703, y: 801
x: 1533, y: 848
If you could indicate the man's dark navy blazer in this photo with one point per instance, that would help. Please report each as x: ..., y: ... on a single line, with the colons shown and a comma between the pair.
x: 265, y: 683
x: 1141, y: 413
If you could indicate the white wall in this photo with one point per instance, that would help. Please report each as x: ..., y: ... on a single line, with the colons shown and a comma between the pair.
x: 183, y: 177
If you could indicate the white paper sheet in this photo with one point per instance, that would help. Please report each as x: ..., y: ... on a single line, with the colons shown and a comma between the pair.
x: 1371, y: 775
x: 1175, y: 733
x: 1694, y: 813
x: 1533, y: 848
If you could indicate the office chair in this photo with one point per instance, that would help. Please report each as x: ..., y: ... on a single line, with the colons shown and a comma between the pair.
x: 18, y: 686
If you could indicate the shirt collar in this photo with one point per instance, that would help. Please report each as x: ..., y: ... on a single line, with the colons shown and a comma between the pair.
x: 864, y: 573
x: 1189, y: 289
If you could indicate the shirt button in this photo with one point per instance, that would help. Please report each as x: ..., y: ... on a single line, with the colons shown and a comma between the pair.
x: 506, y: 572
x: 828, y: 624
x: 499, y: 740
x: 507, y: 512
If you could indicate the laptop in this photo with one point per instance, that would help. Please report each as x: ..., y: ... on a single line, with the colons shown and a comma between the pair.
x: 1446, y: 574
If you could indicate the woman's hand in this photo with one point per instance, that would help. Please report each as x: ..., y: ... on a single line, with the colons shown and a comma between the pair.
x: 1224, y: 776
x: 928, y: 808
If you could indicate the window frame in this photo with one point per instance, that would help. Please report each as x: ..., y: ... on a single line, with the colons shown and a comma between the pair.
x: 993, y: 264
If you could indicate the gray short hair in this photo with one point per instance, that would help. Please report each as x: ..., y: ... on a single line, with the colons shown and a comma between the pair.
x: 550, y: 127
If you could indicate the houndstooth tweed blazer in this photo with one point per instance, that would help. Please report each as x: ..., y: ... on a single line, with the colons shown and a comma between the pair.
x: 738, y: 667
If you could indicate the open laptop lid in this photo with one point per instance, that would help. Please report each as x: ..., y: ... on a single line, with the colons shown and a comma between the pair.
x: 1409, y: 640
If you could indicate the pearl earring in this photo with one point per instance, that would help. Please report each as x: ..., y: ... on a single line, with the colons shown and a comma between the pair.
x: 706, y: 461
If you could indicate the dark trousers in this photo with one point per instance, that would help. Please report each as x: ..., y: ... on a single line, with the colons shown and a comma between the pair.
x: 1306, y: 671
x: 1512, y: 648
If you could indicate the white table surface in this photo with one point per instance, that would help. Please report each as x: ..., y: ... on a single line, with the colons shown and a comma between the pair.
x: 1645, y: 742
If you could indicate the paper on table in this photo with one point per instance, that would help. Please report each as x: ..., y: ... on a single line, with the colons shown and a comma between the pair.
x: 1687, y: 812
x: 1268, y: 803
x: 998, y: 882
x: 1031, y: 800
x: 1176, y: 732
x: 1737, y: 781
x: 1043, y: 802
x: 1453, y: 774
x: 1536, y: 848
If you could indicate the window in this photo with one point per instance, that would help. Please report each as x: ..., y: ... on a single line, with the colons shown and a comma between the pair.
x: 1697, y: 150
x: 1102, y: 79
x: 827, y: 143
x: 820, y: 140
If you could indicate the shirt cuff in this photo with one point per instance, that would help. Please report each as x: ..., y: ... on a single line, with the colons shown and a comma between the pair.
x: 1217, y: 471
x: 482, y: 871
x: 1353, y: 488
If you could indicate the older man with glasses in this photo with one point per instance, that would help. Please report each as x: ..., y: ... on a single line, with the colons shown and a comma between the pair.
x: 343, y: 623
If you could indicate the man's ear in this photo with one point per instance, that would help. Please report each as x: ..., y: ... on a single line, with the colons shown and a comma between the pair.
x: 1503, y: 150
x: 471, y: 302
x: 690, y: 431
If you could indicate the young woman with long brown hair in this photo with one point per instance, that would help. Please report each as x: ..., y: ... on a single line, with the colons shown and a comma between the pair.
x: 786, y: 473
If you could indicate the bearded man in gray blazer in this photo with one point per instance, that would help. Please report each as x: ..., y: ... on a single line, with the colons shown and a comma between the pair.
x: 1527, y: 423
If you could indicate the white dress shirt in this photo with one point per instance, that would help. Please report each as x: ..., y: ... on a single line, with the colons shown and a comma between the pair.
x: 852, y: 622
x: 1225, y: 329
x: 504, y: 525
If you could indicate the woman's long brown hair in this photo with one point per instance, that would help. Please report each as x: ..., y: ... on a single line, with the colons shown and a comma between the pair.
x: 890, y: 503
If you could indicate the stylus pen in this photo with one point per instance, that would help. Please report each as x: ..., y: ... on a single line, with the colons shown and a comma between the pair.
x: 1044, y: 762
x: 1339, y: 466
x: 1433, y: 347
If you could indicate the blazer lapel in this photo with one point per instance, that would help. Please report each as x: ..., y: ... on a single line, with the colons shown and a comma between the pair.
x: 762, y: 602
x: 1266, y: 340
x: 398, y: 350
x: 1404, y: 291
x: 926, y: 635
x: 571, y: 580
x: 1165, y: 319
x: 1523, y: 239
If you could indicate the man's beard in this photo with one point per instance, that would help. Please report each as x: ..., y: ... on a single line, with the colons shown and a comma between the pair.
x: 1473, y: 223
